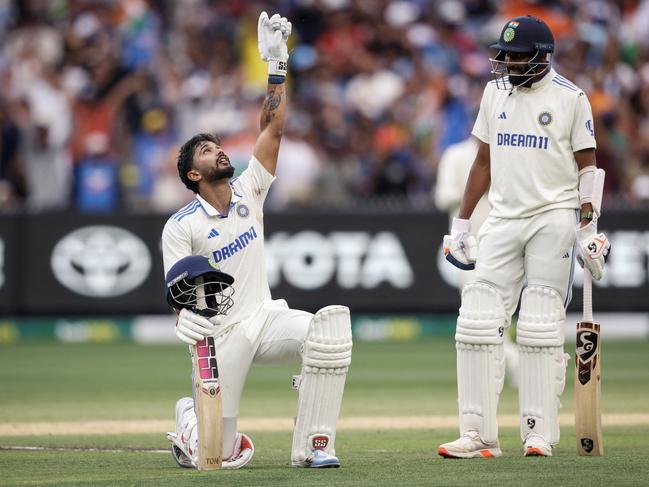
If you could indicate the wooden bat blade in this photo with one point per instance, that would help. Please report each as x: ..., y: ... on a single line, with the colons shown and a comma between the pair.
x: 588, y: 423
x: 207, y: 400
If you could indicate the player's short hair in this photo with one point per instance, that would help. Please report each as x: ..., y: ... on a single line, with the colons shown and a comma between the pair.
x: 186, y: 157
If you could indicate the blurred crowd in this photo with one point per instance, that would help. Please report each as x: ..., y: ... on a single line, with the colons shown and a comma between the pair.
x: 97, y: 95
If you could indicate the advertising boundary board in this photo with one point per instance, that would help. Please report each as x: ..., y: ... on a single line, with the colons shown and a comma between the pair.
x: 71, y: 264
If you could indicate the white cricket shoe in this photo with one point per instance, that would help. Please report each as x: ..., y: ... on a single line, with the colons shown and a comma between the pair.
x: 242, y: 454
x: 178, y: 453
x: 184, y: 440
x: 469, y: 445
x: 185, y: 435
x: 318, y: 459
x: 536, y: 446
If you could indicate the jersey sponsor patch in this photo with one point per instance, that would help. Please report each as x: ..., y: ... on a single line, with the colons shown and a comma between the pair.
x: 238, y: 244
x: 530, y: 141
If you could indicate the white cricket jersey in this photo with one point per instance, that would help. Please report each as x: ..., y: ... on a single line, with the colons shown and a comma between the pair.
x: 235, y: 241
x: 532, y: 134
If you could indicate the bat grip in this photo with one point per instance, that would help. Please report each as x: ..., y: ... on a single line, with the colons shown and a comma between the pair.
x: 588, y: 297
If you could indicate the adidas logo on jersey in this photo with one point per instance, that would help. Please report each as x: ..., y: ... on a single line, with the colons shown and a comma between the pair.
x: 213, y: 233
x: 566, y: 255
x: 502, y: 116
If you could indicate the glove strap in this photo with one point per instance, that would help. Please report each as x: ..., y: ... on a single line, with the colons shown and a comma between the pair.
x: 277, y: 68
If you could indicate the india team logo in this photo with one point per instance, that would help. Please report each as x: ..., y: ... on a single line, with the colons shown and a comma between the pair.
x: 509, y: 34
x: 545, y: 118
x: 243, y: 211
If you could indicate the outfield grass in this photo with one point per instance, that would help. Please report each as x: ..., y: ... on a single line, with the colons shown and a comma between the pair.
x: 50, y: 382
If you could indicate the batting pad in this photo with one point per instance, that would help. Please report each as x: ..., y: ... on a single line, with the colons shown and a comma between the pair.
x: 325, y: 361
x: 540, y: 336
x: 480, y: 359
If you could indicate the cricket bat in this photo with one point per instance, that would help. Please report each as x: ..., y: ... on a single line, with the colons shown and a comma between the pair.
x: 588, y: 391
x: 207, y: 402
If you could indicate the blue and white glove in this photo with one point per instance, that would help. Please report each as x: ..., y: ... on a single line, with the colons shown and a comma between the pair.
x: 272, y: 36
x: 592, y: 249
x: 460, y: 247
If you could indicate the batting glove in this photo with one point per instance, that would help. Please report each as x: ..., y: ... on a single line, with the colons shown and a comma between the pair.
x: 272, y: 36
x: 592, y: 249
x: 460, y: 247
x: 192, y: 327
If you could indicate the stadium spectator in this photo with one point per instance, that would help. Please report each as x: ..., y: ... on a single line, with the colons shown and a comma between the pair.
x: 381, y: 91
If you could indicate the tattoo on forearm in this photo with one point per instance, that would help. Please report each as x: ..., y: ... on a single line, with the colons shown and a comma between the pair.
x: 271, y: 104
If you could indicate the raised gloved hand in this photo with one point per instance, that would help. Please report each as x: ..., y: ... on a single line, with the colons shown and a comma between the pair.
x: 192, y: 327
x: 460, y: 247
x: 592, y: 249
x: 272, y: 35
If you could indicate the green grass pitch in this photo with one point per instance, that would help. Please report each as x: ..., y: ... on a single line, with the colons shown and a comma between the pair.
x: 52, y: 383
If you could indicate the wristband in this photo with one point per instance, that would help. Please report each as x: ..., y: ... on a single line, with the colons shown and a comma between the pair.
x: 275, y: 79
x: 277, y: 67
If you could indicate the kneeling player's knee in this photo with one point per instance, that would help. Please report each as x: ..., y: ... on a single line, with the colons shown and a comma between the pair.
x: 541, y: 318
x: 328, y: 343
x: 482, y: 315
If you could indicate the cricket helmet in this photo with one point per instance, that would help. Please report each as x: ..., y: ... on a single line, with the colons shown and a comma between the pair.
x: 196, y: 283
x: 526, y: 34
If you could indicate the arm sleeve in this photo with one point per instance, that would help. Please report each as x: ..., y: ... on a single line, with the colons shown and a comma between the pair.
x: 582, y: 135
x: 255, y: 181
x: 176, y: 244
x: 481, y: 126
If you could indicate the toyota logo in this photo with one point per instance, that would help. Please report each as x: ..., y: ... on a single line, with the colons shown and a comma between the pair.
x: 101, y: 261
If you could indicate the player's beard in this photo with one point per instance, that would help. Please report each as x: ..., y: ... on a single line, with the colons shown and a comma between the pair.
x: 529, y: 74
x: 519, y: 79
x: 216, y: 174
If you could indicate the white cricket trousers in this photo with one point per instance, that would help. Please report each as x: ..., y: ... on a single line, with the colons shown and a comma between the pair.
x: 275, y: 334
x: 518, y: 252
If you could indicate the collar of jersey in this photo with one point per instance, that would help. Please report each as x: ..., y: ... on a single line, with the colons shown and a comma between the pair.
x: 211, y: 211
x: 540, y: 83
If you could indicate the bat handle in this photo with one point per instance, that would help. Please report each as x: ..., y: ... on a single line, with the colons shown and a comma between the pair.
x: 588, y: 297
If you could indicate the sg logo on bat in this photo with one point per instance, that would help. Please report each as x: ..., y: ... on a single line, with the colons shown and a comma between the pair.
x: 587, y: 444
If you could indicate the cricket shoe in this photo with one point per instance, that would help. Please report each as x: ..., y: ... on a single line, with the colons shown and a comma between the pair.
x: 536, y: 446
x: 178, y: 452
x: 242, y: 454
x: 185, y: 435
x: 469, y: 445
x: 318, y: 459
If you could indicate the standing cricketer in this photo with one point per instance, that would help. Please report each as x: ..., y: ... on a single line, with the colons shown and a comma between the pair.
x: 452, y: 174
x: 225, y: 224
x: 537, y: 157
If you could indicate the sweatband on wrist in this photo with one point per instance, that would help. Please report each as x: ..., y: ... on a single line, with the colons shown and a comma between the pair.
x: 277, y: 67
x: 276, y: 79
